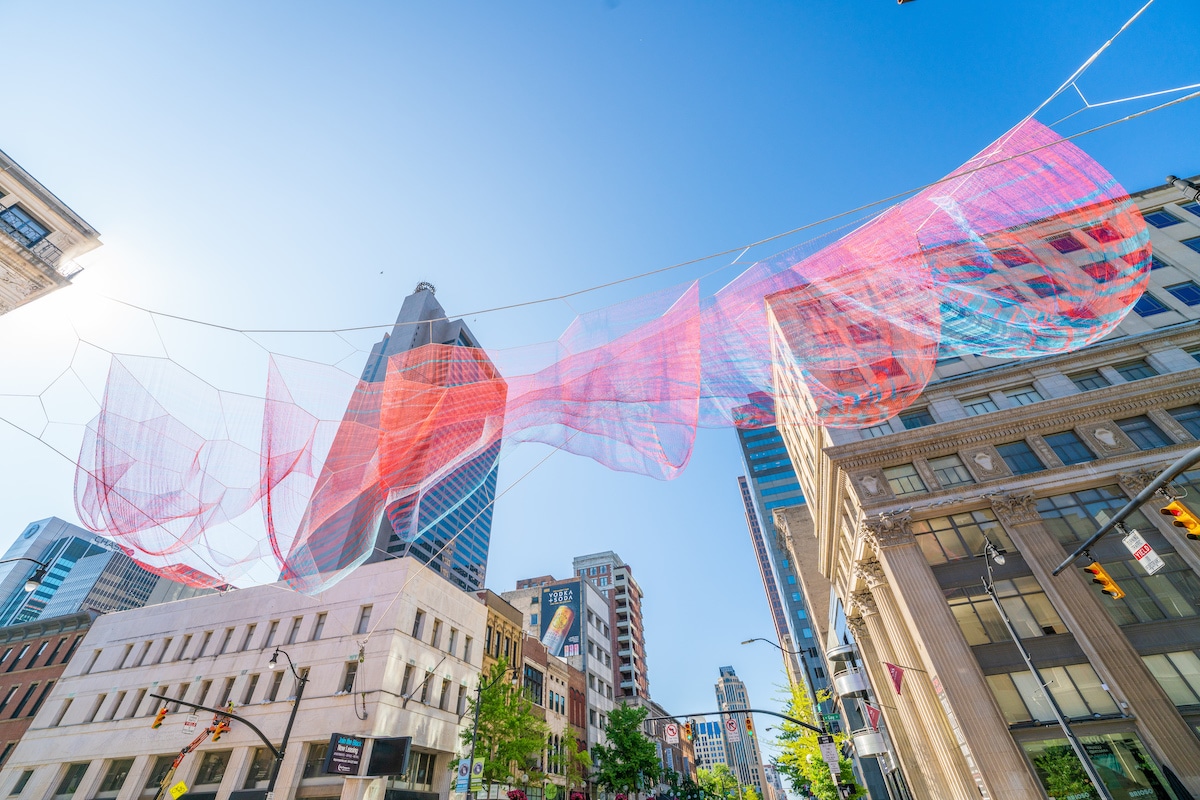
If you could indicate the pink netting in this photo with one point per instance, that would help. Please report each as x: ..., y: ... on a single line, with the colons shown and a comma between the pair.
x: 1030, y: 248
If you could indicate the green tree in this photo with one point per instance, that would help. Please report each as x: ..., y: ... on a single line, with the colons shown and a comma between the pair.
x: 511, y: 738
x: 575, y: 760
x: 718, y: 783
x: 748, y: 793
x: 629, y: 762
x: 800, y: 757
x: 690, y: 790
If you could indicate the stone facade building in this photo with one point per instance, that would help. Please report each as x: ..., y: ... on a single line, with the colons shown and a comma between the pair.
x: 39, y: 238
x: 1032, y: 456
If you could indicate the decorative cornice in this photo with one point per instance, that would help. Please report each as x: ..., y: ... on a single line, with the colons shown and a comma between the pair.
x: 858, y: 627
x: 887, y: 531
x: 870, y: 572
x: 864, y: 602
x: 1015, y: 509
x: 1134, y: 482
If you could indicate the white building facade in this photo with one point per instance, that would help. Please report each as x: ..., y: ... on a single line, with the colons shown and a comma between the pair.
x: 392, y: 652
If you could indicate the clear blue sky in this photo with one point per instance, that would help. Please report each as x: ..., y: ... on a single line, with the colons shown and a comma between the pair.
x: 304, y: 165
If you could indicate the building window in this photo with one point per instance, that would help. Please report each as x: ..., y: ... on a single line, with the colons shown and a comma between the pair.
x: 1069, y: 447
x: 1192, y: 207
x: 1024, y: 601
x: 162, y: 765
x: 226, y: 692
x: 187, y: 641
x: 943, y: 539
x: 62, y: 712
x: 1065, y: 243
x: 1076, y: 688
x: 248, y: 693
x: 1187, y: 293
x: 212, y: 767
x: 1135, y: 370
x: 349, y: 676
x: 276, y: 682
x: 1023, y: 395
x: 533, y: 619
x: 318, y: 627
x: 1171, y: 593
x: 19, y: 786
x: 364, y: 620
x: 91, y: 717
x: 204, y: 687
x: 1189, y: 418
x: 418, y: 621
x: 204, y: 643
x: 1144, y: 433
x: 20, y: 226
x: 260, y: 769
x: 533, y: 684
x: 904, y: 480
x: 406, y: 683
x: 246, y: 639
x: 1020, y: 458
x: 1192, y: 244
x: 1161, y: 218
x: 314, y: 759
x: 225, y: 640
x: 975, y: 406
x: 1086, y: 381
x: 71, y: 779
x: 114, y: 778
x: 916, y: 418
x: 1148, y: 305
x: 437, y: 632
x: 1075, y: 516
x: 1178, y: 674
x: 295, y: 630
x: 950, y: 471
x: 467, y: 640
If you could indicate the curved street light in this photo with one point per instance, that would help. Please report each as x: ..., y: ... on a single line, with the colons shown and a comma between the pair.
x: 287, y: 732
x: 776, y: 645
x: 39, y: 574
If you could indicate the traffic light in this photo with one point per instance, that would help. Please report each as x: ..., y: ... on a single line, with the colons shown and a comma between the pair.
x: 1182, y: 517
x: 687, y: 731
x: 749, y: 724
x: 1107, y: 585
x: 159, y: 717
x: 222, y: 726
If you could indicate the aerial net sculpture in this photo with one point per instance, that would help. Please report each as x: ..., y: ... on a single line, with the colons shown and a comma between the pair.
x: 1029, y: 249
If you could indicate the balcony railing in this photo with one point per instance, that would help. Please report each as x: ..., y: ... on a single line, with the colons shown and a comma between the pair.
x: 868, y: 742
x: 44, y: 250
x: 850, y: 681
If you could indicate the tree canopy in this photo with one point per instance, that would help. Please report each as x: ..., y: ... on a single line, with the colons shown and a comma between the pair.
x: 800, y: 757
x: 629, y: 762
x: 511, y: 738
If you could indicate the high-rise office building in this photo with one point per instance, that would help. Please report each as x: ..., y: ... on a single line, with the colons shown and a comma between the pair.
x: 1031, y: 456
x: 84, y: 572
x: 741, y: 743
x: 614, y: 578
x: 454, y: 518
x: 709, y: 743
x: 39, y: 238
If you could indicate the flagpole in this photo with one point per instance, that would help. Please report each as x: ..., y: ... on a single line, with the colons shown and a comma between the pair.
x: 1080, y: 752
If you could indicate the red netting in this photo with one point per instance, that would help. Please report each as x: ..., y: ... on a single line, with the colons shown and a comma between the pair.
x: 1030, y: 248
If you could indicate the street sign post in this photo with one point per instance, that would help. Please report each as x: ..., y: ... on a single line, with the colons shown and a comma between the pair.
x: 672, y: 732
x: 1135, y: 543
x: 830, y: 754
x: 732, y: 732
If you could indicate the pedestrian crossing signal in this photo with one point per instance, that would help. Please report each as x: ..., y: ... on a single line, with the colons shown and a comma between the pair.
x: 159, y: 717
x: 1107, y: 585
x: 1182, y: 517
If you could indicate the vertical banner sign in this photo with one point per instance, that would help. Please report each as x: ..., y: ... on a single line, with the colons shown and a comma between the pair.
x: 897, y: 674
x: 732, y: 732
x: 873, y: 714
x: 672, y: 732
x: 952, y: 718
x: 1151, y: 561
x: 560, y: 620
x: 477, y: 776
x: 464, y: 775
x: 829, y: 754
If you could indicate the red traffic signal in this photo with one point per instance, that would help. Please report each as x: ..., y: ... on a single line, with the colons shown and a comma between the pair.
x: 159, y: 717
x: 1107, y: 585
x: 1182, y: 517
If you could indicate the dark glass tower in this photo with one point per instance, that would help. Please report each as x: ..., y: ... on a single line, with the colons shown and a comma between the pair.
x: 454, y: 520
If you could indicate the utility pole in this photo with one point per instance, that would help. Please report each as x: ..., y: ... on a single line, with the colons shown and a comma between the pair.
x: 990, y: 552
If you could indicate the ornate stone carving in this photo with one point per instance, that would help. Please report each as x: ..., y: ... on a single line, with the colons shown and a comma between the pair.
x: 888, y: 531
x: 870, y: 572
x: 858, y: 627
x: 1134, y: 482
x: 1015, y: 509
x: 865, y: 603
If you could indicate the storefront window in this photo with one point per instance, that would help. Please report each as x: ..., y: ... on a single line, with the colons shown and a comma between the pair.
x: 1120, y: 760
x: 945, y: 539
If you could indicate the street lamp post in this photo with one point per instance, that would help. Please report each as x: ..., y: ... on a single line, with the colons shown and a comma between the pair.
x: 287, y: 732
x: 992, y: 553
x: 811, y: 692
x: 39, y: 574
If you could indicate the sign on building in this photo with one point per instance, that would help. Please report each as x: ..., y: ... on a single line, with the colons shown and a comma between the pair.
x: 561, y: 615
x: 344, y: 755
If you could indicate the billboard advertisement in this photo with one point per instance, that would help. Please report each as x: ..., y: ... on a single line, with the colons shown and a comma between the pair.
x: 561, y: 613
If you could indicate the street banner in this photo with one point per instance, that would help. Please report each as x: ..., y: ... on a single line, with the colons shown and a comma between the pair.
x: 464, y: 776
x: 672, y: 732
x: 477, y: 776
x: 872, y: 715
x: 732, y: 732
x: 897, y: 674
x: 1151, y: 561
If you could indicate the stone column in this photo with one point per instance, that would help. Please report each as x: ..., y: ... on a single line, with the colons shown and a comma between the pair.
x: 1110, y: 653
x: 986, y: 757
x: 943, y: 749
x: 913, y: 755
